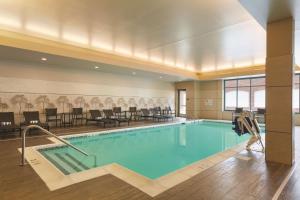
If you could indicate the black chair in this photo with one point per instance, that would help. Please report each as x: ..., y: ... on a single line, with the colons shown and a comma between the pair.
x: 146, y: 114
x: 33, y: 118
x: 77, y: 114
x: 260, y: 115
x: 109, y: 114
x: 53, y: 116
x: 168, y: 110
x: 134, y: 113
x: 7, y: 123
x: 158, y: 115
x: 121, y: 116
x: 168, y: 113
x: 96, y: 116
x: 119, y: 113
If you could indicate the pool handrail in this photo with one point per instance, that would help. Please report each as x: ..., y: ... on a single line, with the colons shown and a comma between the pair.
x: 49, y: 133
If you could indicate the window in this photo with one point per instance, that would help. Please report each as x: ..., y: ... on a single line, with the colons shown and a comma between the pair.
x: 182, y: 102
x: 248, y: 93
x: 296, y: 93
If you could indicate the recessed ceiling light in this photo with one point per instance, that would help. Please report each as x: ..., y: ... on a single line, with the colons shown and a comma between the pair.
x: 96, y: 67
x: 160, y: 77
x: 133, y: 73
x: 44, y: 59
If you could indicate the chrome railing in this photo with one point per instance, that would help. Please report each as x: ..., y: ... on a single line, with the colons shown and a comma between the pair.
x: 49, y: 133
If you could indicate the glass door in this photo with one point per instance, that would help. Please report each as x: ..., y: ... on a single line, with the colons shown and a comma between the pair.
x: 182, y: 103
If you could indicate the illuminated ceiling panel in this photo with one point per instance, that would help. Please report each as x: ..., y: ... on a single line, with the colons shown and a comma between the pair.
x: 191, y: 35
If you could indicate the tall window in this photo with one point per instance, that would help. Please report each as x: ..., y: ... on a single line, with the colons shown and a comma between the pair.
x: 248, y: 93
x: 182, y: 102
x: 296, y: 93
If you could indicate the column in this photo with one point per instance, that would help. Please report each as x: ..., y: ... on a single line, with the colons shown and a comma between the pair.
x: 279, y: 91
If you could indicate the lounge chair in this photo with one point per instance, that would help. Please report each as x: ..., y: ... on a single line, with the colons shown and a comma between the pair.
x: 7, y: 123
x: 96, y: 116
x: 168, y: 113
x: 33, y: 118
x: 77, y: 114
x: 158, y: 115
x: 260, y: 115
x: 134, y: 113
x: 146, y: 114
x: 53, y: 116
x: 118, y: 112
x: 109, y: 114
x: 168, y: 110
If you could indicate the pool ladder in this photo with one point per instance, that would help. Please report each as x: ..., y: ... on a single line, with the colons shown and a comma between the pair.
x: 49, y: 133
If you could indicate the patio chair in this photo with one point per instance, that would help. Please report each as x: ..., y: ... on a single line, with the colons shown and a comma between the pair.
x: 53, y: 116
x: 109, y: 114
x: 96, y: 116
x: 77, y: 114
x: 146, y: 114
x: 33, y: 118
x: 168, y: 110
x: 158, y: 115
x: 7, y: 123
x: 260, y: 115
x: 134, y: 113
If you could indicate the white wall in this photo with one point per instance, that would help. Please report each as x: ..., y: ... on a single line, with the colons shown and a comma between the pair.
x: 33, y: 80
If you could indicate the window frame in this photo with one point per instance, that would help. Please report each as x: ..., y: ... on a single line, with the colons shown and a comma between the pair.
x: 297, y: 75
x: 178, y: 100
x: 237, y: 89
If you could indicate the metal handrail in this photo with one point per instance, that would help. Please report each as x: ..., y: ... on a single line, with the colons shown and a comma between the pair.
x: 49, y: 133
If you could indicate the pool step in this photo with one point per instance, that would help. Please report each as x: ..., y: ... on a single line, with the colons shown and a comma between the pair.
x: 71, y: 162
x: 77, y: 161
x: 54, y: 160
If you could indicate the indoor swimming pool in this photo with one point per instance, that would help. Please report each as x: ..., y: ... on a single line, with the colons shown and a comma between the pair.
x: 149, y: 151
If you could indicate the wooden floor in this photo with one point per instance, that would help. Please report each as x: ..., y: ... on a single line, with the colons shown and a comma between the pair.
x: 232, y: 179
x: 292, y: 189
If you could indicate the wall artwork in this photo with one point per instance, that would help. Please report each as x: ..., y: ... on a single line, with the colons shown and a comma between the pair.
x: 20, y: 102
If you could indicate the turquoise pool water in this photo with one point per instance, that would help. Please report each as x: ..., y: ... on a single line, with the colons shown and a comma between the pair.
x: 152, y: 152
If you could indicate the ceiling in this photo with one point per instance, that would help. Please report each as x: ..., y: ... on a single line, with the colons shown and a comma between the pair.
x: 10, y: 54
x: 265, y: 11
x: 191, y: 34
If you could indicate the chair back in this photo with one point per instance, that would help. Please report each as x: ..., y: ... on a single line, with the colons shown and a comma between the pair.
x: 7, y: 118
x: 145, y: 111
x: 31, y: 117
x: 168, y: 110
x: 261, y: 111
x: 95, y: 114
x: 239, y: 110
x: 77, y: 111
x: 132, y: 109
x: 108, y: 113
x: 117, y: 109
x: 50, y: 112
